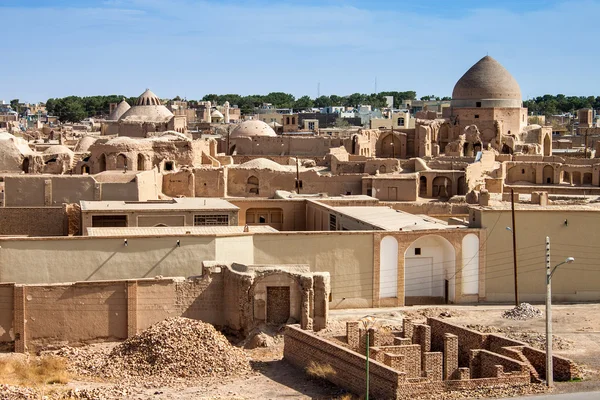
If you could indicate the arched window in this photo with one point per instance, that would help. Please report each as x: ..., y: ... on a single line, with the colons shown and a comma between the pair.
x: 253, y: 185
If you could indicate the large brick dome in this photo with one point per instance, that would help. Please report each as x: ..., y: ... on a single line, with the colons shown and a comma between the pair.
x: 487, y: 84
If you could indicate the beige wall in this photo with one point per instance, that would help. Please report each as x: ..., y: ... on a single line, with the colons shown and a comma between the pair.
x: 294, y: 211
x: 579, y: 281
x: 348, y: 257
x: 85, y: 258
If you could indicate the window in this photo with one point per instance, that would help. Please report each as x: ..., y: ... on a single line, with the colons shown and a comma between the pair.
x: 417, y: 251
x: 332, y: 222
x: 109, y: 221
x: 401, y: 121
x: 169, y: 165
x: 476, y: 116
x: 311, y: 126
x: 211, y: 220
x: 299, y: 183
x: 522, y: 171
x: 478, y: 104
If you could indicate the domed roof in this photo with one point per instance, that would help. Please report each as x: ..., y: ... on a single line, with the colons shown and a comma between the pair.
x: 84, y: 143
x: 58, y: 149
x: 147, y: 113
x: 216, y: 114
x: 148, y: 98
x: 488, y: 83
x: 119, y: 110
x: 252, y: 128
x: 12, y: 151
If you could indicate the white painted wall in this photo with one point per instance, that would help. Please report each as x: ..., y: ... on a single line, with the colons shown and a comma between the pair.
x: 424, y: 274
x: 470, y: 262
x: 388, y: 267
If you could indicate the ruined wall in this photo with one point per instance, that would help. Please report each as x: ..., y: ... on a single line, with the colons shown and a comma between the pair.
x: 32, y: 221
x: 302, y: 348
x: 7, y: 332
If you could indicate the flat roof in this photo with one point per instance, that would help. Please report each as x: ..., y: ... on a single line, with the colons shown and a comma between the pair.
x: 175, y: 230
x: 180, y: 204
x: 392, y: 220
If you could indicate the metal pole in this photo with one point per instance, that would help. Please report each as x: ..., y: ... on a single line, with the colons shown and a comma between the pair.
x: 549, y: 367
x: 514, y: 233
x: 367, y: 345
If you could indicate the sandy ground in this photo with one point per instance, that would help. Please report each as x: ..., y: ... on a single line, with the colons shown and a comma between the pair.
x: 577, y: 325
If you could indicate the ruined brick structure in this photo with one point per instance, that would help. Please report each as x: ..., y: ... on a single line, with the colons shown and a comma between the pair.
x: 423, y: 358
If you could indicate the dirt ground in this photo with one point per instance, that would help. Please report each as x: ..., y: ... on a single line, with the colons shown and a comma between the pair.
x: 577, y: 328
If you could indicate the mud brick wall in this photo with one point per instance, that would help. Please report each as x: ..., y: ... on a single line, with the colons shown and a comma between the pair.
x: 33, y: 221
x: 301, y: 347
x: 422, y: 337
x: 467, y: 339
x: 495, y: 343
x: 432, y: 365
x: 564, y: 369
x: 484, y: 365
x: 450, y: 356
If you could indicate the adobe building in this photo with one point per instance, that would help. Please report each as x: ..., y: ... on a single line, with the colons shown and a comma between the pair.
x: 145, y: 118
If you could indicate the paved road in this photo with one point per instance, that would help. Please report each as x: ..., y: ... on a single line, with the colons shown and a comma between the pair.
x: 564, y: 396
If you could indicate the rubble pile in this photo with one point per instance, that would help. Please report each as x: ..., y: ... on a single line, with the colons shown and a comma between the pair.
x: 523, y: 312
x: 529, y: 337
x: 177, y: 347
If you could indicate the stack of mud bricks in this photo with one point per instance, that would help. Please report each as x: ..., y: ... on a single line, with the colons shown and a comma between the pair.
x: 353, y: 334
x: 431, y: 362
x: 451, y: 370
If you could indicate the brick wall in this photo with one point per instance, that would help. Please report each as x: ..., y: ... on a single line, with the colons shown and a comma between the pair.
x: 467, y: 339
x: 302, y: 347
x: 32, y: 221
x: 564, y: 369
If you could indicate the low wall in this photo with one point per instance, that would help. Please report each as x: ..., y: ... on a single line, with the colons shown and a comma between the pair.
x: 467, y: 339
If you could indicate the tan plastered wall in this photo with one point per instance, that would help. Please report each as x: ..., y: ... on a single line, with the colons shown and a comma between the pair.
x: 579, y: 281
x: 348, y: 257
x: 239, y: 249
x: 294, y: 211
x: 100, y: 310
x: 84, y: 258
x: 149, y: 185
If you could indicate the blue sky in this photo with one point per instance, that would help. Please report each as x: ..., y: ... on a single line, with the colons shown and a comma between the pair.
x: 191, y: 48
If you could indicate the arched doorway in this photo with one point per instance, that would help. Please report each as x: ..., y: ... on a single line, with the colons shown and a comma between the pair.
x: 141, y: 162
x: 587, y: 178
x: 102, y: 163
x: 547, y: 146
x: 253, y: 185
x: 441, y: 187
x: 566, y: 177
x: 85, y: 169
x: 576, y: 178
x: 391, y: 146
x: 121, y: 161
x: 388, y: 267
x: 428, y: 263
x: 423, y: 186
x: 26, y: 165
x: 354, y: 143
x: 506, y: 149
x: 548, y: 174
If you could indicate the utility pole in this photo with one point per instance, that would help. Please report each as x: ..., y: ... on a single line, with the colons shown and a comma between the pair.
x: 549, y: 367
x: 514, y: 240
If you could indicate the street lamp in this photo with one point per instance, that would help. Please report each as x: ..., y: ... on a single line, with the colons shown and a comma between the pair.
x: 549, y: 273
x: 368, y: 322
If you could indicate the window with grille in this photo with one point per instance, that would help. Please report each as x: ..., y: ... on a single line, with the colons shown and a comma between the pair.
x: 332, y: 222
x: 211, y: 220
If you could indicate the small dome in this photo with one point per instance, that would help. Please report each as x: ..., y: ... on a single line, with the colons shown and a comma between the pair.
x: 216, y: 114
x: 252, y: 128
x: 84, y: 143
x: 58, y: 149
x: 148, y: 98
x: 487, y: 84
x: 119, y: 110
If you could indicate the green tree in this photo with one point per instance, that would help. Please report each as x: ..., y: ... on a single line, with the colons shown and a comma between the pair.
x: 14, y: 104
x: 280, y: 99
x: 303, y: 103
x: 323, y: 101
